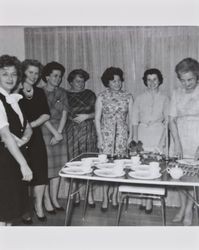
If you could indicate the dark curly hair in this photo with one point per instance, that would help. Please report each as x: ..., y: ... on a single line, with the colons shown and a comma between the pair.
x: 152, y: 71
x: 7, y: 61
x: 109, y: 73
x: 186, y: 65
x: 49, y: 67
x: 31, y: 62
x: 77, y: 72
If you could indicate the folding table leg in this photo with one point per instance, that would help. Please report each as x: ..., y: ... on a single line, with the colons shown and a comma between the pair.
x: 86, y: 199
x: 120, y: 210
x: 163, y: 211
x: 195, y: 190
x: 68, y: 203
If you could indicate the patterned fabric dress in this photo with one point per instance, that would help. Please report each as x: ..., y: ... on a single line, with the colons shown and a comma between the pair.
x: 81, y: 137
x: 185, y: 107
x: 57, y: 154
x: 114, y: 126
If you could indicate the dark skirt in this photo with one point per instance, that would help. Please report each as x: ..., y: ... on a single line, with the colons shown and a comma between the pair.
x: 13, y: 191
x: 37, y: 158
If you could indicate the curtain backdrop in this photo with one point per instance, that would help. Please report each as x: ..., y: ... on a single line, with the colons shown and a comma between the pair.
x: 132, y: 48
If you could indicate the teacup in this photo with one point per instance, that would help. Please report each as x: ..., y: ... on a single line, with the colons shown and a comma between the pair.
x: 176, y: 172
x: 154, y: 168
x: 87, y: 160
x: 102, y: 157
x: 135, y: 160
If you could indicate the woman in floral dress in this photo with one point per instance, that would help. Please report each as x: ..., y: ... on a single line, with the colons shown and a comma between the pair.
x: 113, y: 131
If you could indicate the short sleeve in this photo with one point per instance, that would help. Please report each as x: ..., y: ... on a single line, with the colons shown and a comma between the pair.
x: 3, y: 116
x: 173, y: 106
x: 135, y: 116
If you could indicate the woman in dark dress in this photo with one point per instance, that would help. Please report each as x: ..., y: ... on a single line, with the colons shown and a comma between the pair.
x: 36, y: 108
x: 80, y: 128
x: 14, y: 134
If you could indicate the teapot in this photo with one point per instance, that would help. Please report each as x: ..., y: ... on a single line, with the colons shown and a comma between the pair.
x: 176, y: 172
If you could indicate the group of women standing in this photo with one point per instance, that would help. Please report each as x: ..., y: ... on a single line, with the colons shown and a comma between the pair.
x: 50, y: 126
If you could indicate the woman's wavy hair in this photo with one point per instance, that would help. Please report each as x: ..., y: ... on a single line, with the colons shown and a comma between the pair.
x: 31, y: 62
x: 187, y: 65
x: 152, y: 71
x: 109, y: 73
x: 77, y: 72
x: 7, y: 61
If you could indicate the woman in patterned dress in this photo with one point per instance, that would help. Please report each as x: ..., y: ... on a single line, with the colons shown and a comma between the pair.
x: 184, y: 124
x: 150, y: 115
x: 114, y: 133
x: 35, y: 106
x: 80, y: 127
x: 15, y: 132
x: 56, y: 146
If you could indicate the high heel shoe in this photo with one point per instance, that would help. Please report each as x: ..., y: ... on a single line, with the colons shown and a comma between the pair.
x: 114, y: 206
x: 27, y: 221
x: 91, y: 205
x: 142, y: 207
x: 40, y: 218
x: 104, y: 209
x: 53, y: 212
x: 59, y: 208
x: 149, y: 211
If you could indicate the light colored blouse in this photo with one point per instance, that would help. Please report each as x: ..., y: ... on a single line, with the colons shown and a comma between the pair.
x: 149, y: 109
x: 12, y: 99
x: 185, y: 104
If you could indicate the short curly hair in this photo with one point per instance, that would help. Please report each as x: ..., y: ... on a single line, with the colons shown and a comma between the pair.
x: 31, y: 62
x: 152, y: 71
x: 77, y: 72
x: 7, y: 61
x: 49, y: 67
x: 187, y: 65
x: 109, y: 73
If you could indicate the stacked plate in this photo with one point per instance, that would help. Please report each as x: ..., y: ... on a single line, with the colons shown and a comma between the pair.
x: 109, y: 173
x: 76, y: 168
x: 143, y: 172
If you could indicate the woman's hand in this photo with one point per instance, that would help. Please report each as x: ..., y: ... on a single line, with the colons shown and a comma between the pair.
x: 26, y: 172
x: 100, y: 143
x: 53, y: 141
x: 58, y: 136
x: 196, y: 156
x: 129, y: 140
x: 178, y: 150
x: 80, y: 118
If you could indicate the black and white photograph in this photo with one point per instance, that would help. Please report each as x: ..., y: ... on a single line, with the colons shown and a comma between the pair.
x: 99, y: 129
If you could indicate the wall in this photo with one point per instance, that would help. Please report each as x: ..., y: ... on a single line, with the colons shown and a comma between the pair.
x: 12, y: 41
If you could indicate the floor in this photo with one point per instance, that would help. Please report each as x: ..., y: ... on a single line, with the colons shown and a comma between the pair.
x: 94, y: 217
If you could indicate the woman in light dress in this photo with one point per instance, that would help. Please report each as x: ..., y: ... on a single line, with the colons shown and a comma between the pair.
x: 150, y: 119
x: 184, y: 125
x: 114, y: 132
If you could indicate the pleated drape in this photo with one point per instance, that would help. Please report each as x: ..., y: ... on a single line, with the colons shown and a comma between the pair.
x: 132, y: 48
